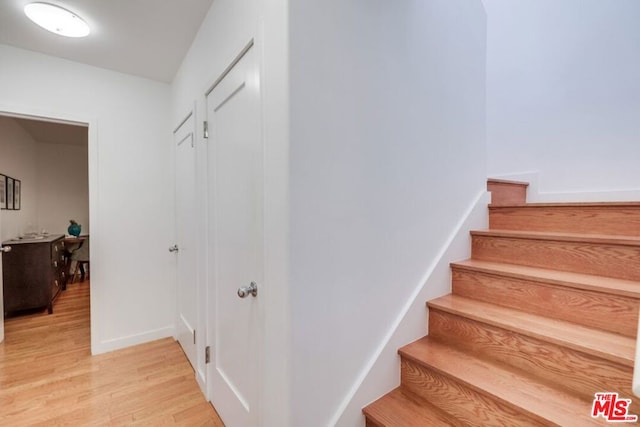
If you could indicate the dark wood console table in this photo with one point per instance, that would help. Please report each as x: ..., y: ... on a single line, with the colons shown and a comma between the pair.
x: 33, y: 272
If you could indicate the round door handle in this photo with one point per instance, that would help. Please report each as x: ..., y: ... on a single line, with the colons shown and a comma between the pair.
x: 245, y: 291
x: 5, y: 249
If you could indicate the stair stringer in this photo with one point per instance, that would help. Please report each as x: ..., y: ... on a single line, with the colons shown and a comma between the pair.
x: 382, y: 372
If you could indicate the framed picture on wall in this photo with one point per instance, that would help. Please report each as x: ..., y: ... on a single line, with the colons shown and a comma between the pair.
x: 3, y: 192
x: 17, y: 184
x: 9, y: 193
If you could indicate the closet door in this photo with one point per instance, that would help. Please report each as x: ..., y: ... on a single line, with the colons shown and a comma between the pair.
x: 185, y: 249
x: 235, y: 167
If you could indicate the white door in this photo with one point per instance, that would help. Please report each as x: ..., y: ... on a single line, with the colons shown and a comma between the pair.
x: 185, y: 248
x: 235, y: 200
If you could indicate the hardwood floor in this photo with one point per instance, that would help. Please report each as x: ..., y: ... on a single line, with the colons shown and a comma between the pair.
x: 48, y: 376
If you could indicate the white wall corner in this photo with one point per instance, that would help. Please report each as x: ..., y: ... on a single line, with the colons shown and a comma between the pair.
x: 382, y: 372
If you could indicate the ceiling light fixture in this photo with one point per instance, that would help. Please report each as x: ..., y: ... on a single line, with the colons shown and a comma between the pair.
x: 57, y: 20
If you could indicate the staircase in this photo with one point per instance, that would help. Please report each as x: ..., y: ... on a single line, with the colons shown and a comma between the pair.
x: 542, y: 317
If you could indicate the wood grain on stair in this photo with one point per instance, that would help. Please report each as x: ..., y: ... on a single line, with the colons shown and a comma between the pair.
x: 621, y: 287
x: 591, y: 254
x: 483, y: 393
x: 573, y: 370
x: 579, y: 298
x: 505, y: 192
x: 618, y: 218
x: 465, y: 402
x: 606, y: 345
x: 401, y: 408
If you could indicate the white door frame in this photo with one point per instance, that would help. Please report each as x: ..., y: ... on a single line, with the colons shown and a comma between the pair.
x: 35, y: 113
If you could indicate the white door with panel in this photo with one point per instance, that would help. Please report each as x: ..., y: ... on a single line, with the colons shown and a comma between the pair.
x: 185, y: 248
x: 235, y: 240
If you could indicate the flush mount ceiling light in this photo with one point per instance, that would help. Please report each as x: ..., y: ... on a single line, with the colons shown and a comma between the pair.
x: 57, y: 20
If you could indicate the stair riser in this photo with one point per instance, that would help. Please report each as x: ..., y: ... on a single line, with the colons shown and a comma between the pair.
x: 602, y: 259
x: 612, y: 220
x: 573, y: 370
x: 505, y: 194
x: 593, y: 309
x: 466, y: 404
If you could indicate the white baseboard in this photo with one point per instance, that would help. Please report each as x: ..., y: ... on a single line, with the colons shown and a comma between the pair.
x: 131, y: 340
x: 382, y: 372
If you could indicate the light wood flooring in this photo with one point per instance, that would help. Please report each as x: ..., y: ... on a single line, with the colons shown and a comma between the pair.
x: 48, y: 376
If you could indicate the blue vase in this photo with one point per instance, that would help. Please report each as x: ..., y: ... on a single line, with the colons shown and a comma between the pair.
x: 74, y: 229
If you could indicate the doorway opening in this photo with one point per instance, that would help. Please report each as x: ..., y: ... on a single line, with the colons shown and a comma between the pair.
x: 46, y: 169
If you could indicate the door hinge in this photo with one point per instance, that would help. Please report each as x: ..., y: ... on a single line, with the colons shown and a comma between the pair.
x: 194, y: 336
x: 205, y: 128
x: 207, y: 354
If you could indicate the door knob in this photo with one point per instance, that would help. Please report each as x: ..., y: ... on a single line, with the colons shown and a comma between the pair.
x: 245, y: 291
x: 173, y: 248
x: 5, y: 249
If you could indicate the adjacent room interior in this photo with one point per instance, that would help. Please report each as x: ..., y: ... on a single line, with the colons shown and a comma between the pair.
x: 45, y: 162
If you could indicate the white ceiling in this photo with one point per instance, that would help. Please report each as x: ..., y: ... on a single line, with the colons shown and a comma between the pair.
x: 146, y: 38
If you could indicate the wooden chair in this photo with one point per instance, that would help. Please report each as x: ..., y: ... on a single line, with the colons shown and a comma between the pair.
x: 81, y: 258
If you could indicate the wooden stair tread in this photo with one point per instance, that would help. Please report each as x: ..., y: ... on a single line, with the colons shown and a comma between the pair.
x: 535, y: 398
x: 401, y: 408
x: 606, y: 345
x: 506, y: 182
x: 627, y: 288
x: 561, y: 237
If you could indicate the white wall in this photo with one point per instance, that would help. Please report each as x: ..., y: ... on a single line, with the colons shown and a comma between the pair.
x: 387, y: 153
x: 129, y: 164
x: 226, y: 30
x: 18, y: 154
x: 63, y: 187
x: 56, y: 187
x: 380, y: 176
x: 563, y: 93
